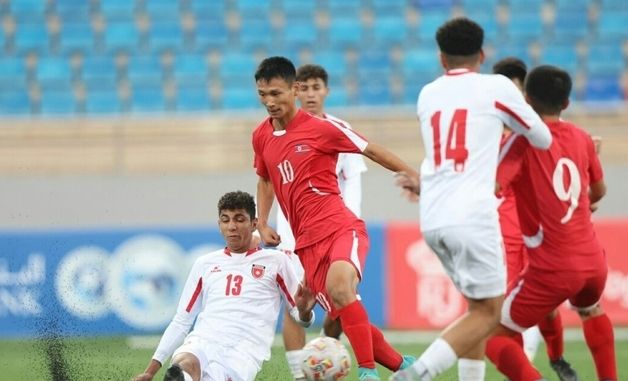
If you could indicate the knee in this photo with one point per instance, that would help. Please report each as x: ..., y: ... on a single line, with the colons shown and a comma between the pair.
x: 341, y: 293
x: 490, y: 309
x: 588, y: 313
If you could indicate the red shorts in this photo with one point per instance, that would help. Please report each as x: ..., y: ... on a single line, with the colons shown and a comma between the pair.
x: 348, y: 245
x: 537, y: 293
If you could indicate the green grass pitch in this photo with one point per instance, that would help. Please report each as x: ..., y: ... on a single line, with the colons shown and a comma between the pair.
x: 112, y: 359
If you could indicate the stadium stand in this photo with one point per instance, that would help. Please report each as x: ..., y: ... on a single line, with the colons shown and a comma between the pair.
x: 378, y: 52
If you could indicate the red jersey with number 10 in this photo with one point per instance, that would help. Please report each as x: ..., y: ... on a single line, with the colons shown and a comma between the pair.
x: 551, y: 188
x: 301, y: 161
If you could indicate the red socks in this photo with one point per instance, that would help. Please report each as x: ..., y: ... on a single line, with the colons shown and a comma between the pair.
x: 552, y: 331
x: 355, y: 324
x: 509, y: 358
x: 598, y: 333
x: 383, y: 352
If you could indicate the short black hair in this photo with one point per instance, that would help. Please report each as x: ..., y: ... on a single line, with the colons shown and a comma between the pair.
x: 276, y: 67
x: 237, y: 200
x: 547, y: 88
x: 460, y: 37
x: 309, y: 71
x: 511, y: 67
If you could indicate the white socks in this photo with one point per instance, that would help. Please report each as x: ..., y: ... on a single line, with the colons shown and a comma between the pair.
x: 531, y: 340
x: 471, y: 370
x: 294, y: 359
x: 436, y: 359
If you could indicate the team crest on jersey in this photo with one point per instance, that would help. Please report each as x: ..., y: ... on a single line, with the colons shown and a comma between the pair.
x: 301, y: 148
x: 258, y: 271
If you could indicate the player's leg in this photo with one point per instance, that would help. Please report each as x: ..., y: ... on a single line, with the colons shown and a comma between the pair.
x: 185, y: 367
x: 293, y: 341
x: 332, y: 327
x: 597, y: 327
x: 293, y: 333
x: 531, y: 339
x: 551, y: 328
x: 508, y: 357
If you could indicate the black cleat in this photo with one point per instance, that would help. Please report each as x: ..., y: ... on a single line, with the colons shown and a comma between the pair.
x: 174, y: 373
x: 564, y: 370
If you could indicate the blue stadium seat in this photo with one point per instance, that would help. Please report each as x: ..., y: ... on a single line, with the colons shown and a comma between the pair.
x: 605, y: 59
x: 31, y: 37
x: 203, y: 9
x: 253, y: 8
x: 14, y: 102
x: 525, y: 6
x: 603, y: 88
x: 333, y: 61
x: 190, y: 69
x: 117, y: 9
x: 165, y: 36
x: 72, y: 10
x: 102, y: 102
x: 162, y: 10
x: 235, y: 97
x: 618, y: 5
x: 76, y: 36
x: 420, y: 61
x: 345, y: 31
x: 413, y: 85
x: 121, y: 36
x: 374, y: 60
x: 99, y: 70
x: 344, y: 7
x: 299, y: 8
x: 430, y: 21
x: 12, y: 67
x: 487, y: 6
x: 612, y: 25
x: 53, y: 70
x: 375, y: 92
x: 256, y: 34
x: 300, y: 32
x: 145, y: 69
x: 211, y: 34
x: 512, y: 50
x: 388, y: 8
x: 147, y: 99
x: 237, y: 67
x: 193, y: 98
x: 32, y: 11
x: 524, y: 27
x: 577, y: 6
x: 487, y: 21
x: 570, y: 26
x: 390, y: 30
x: 423, y: 5
x: 563, y: 56
x: 337, y: 97
x: 57, y: 102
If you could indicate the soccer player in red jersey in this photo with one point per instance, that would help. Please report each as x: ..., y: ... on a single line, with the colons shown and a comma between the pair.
x: 295, y: 159
x: 550, y: 327
x: 554, y: 191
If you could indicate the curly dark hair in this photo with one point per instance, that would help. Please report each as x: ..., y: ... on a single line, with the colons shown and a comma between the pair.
x: 460, y: 37
x: 310, y: 71
x: 547, y: 88
x: 276, y: 67
x: 511, y: 67
x: 237, y: 200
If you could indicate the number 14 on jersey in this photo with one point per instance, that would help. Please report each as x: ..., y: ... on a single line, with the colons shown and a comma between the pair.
x: 455, y: 146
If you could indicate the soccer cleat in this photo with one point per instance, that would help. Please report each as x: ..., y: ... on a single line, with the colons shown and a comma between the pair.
x: 408, y: 360
x: 174, y: 373
x: 564, y: 370
x: 368, y: 374
x: 406, y: 374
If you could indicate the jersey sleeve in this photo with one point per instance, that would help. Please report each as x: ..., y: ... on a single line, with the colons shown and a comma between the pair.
x: 596, y: 173
x: 517, y: 114
x: 511, y: 157
x: 287, y: 280
x: 187, y: 310
x: 336, y: 138
x: 258, y: 161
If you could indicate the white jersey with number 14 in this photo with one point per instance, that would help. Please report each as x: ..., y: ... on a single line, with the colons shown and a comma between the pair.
x: 462, y: 114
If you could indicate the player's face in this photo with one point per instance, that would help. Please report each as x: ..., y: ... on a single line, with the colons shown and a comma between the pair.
x: 312, y: 94
x: 278, y: 96
x: 237, y: 228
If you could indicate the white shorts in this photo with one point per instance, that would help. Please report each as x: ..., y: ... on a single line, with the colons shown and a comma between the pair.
x: 219, y: 362
x: 473, y: 257
x: 298, y: 267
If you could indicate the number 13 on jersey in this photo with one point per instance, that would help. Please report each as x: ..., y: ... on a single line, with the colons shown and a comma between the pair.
x: 455, y: 146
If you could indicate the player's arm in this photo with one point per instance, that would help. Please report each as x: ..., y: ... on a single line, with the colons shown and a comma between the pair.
x: 389, y: 160
x: 597, y: 190
x: 265, y: 197
x: 517, y: 114
x: 299, y: 299
x: 510, y: 161
x: 597, y: 186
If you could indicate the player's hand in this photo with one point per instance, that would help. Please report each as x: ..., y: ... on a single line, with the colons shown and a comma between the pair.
x: 268, y: 235
x: 143, y: 377
x: 409, y: 185
x: 597, y: 143
x: 304, y: 300
x: 593, y: 207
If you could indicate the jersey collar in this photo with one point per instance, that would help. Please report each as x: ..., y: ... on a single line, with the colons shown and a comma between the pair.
x: 248, y: 252
x: 459, y: 71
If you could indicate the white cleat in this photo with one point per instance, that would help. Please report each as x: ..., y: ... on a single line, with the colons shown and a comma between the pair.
x: 407, y: 374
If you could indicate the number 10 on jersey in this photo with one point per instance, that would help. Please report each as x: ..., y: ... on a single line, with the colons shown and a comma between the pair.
x: 455, y: 147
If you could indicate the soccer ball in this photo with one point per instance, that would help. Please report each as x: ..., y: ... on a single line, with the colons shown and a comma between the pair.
x: 325, y: 359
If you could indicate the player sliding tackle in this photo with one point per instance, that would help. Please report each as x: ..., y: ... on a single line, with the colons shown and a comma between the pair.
x: 234, y: 295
